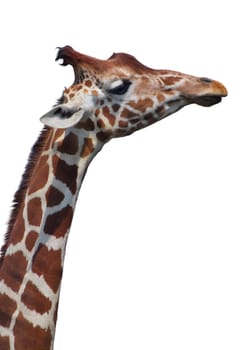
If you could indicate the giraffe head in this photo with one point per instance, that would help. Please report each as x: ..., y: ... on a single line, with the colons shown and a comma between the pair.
x: 120, y: 95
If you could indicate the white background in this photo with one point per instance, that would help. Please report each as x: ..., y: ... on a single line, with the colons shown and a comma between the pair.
x: 156, y: 256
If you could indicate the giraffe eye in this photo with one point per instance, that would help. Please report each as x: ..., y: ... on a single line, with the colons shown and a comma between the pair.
x: 120, y: 87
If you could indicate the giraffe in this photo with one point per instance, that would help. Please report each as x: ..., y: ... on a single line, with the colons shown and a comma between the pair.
x: 108, y: 98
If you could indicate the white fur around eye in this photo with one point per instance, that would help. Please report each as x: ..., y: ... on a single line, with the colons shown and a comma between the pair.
x: 115, y: 84
x: 119, y: 87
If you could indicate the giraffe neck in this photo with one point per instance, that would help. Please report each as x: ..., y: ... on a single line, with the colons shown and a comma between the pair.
x: 32, y: 262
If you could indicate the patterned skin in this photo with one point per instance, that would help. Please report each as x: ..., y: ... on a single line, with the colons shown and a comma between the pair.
x: 108, y: 99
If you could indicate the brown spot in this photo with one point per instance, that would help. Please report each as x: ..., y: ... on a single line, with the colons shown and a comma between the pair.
x: 85, y: 91
x: 126, y: 113
x: 48, y: 140
x: 35, y: 300
x: 13, y: 270
x: 97, y: 112
x: 4, y: 343
x: 40, y: 175
x: 65, y: 173
x: 88, y: 83
x: 100, y: 124
x: 160, y: 97
x: 88, y: 147
x: 87, y: 125
x: 78, y: 87
x: 31, y: 240
x: 171, y: 80
x: 59, y: 133
x: 94, y: 92
x: 123, y: 124
x: 134, y: 120
x: 121, y: 132
x: 116, y: 107
x: 172, y: 103
x: 34, y: 211
x: 111, y: 118
x: 53, y: 196
x: 18, y: 229
x: 29, y: 337
x: 47, y: 263
x: 8, y: 306
x: 69, y: 145
x: 161, y: 109
x: 71, y: 95
x: 58, y: 224
x: 103, y: 136
x: 149, y: 117
x: 140, y: 125
x: 141, y: 105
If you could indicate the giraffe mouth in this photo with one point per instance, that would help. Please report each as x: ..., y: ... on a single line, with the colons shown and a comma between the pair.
x: 208, y: 100
x: 205, y: 100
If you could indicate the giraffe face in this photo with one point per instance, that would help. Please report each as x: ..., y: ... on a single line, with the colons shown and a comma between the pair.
x: 120, y: 95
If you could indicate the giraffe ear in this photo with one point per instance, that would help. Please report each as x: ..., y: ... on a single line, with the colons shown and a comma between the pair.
x: 62, y: 117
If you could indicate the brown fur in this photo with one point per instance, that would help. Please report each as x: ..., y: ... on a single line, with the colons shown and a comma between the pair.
x: 4, y: 343
x: 13, y: 270
x: 8, y: 306
x: 29, y: 337
x: 20, y: 193
x: 30, y: 297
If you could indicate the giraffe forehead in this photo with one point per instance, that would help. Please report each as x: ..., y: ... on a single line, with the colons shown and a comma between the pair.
x: 125, y: 66
x: 118, y: 63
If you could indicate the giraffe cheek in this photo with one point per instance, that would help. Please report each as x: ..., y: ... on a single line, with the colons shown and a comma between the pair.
x: 142, y: 105
x: 127, y: 114
x: 123, y: 124
x: 109, y: 116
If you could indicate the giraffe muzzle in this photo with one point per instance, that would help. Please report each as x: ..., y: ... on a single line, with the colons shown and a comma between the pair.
x: 205, y: 92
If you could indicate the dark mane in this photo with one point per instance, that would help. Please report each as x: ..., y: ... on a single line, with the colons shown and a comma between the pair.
x: 20, y: 193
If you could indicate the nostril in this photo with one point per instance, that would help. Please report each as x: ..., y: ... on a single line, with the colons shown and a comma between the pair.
x: 206, y: 80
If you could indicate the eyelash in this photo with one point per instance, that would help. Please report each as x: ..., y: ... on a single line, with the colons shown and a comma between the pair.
x: 122, y: 88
